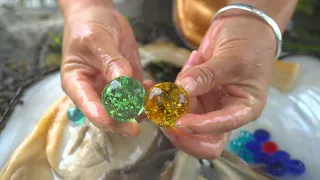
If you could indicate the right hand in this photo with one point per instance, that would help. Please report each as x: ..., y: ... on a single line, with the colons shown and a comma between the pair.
x: 98, y: 46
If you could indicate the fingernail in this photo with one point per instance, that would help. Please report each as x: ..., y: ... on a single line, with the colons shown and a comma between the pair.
x: 123, y: 134
x: 127, y: 129
x: 109, y: 129
x: 188, y: 83
x: 169, y: 134
x: 117, y: 72
x: 126, y: 132
x: 185, y: 67
x: 98, y: 125
x: 185, y: 130
x: 189, y: 63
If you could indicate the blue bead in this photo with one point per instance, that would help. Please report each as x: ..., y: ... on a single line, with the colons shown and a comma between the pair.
x: 262, y: 158
x: 281, y: 156
x: 236, y: 146
x: 261, y: 135
x: 246, y: 156
x: 75, y: 115
x: 277, y: 168
x: 296, y: 167
x: 253, y: 146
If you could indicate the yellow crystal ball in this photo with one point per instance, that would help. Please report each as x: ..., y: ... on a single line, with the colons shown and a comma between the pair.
x: 165, y: 103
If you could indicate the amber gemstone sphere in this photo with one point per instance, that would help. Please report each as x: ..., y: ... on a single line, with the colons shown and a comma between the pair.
x: 165, y: 103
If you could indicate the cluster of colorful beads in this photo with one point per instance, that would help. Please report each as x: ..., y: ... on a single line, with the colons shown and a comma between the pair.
x: 257, y: 148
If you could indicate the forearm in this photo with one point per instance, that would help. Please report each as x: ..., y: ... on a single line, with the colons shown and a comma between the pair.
x: 73, y: 6
x: 279, y: 10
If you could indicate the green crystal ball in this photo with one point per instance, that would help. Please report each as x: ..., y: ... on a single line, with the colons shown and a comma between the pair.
x: 124, y: 98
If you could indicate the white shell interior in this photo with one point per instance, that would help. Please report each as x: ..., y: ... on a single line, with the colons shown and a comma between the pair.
x: 292, y: 119
x: 37, y: 99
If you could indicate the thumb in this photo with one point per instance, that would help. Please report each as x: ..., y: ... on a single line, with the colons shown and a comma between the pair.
x: 114, y: 65
x: 200, y: 79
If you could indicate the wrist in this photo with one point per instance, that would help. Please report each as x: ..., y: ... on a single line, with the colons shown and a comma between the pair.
x: 280, y: 11
x: 69, y: 7
x: 244, y: 20
x: 242, y: 27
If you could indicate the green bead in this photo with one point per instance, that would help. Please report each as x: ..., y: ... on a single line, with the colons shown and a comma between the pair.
x: 245, y: 134
x: 75, y: 115
x: 236, y: 146
x: 244, y: 140
x: 124, y: 98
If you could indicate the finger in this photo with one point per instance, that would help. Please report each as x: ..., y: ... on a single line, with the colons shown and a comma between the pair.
x: 114, y: 65
x: 200, y: 79
x: 201, y: 146
x: 230, y: 117
x: 80, y: 90
x: 147, y: 84
x: 130, y: 51
x: 195, y: 58
x: 129, y: 129
x: 101, y: 50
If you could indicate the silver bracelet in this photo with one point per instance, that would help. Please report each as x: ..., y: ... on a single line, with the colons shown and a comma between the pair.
x: 262, y: 15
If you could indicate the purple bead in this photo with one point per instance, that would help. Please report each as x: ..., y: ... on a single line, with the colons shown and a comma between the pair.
x: 262, y: 158
x: 261, y: 135
x: 253, y: 146
x: 281, y: 156
x: 296, y: 167
x: 277, y: 168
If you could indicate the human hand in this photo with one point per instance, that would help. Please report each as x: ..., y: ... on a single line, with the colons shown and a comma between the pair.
x: 98, y: 46
x: 227, y: 82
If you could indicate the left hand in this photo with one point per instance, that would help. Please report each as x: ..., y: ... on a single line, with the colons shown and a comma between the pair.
x: 98, y: 46
x: 227, y: 83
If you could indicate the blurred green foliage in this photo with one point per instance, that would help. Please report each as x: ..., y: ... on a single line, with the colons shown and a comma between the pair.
x: 306, y: 6
x: 53, y: 59
x: 56, y: 45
